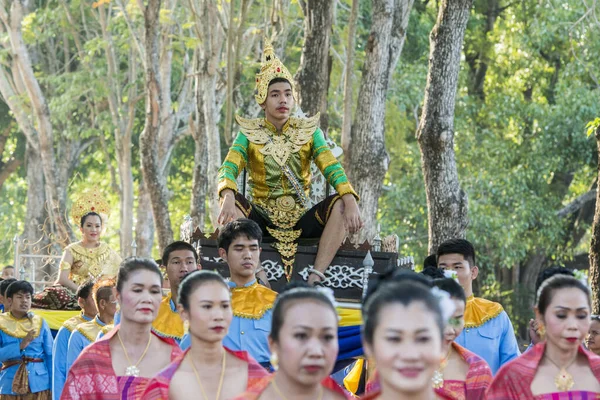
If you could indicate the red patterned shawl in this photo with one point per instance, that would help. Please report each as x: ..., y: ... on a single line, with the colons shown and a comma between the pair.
x: 479, y: 377
x: 513, y: 380
x: 92, y: 376
x: 158, y: 388
x: 260, y: 387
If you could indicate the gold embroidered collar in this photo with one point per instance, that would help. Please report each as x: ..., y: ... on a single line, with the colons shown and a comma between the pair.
x: 295, y: 133
x: 478, y: 311
x: 168, y: 323
x: 252, y: 301
x: 18, y: 328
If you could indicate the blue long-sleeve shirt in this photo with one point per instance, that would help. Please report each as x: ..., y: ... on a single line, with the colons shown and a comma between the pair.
x: 61, y: 345
x: 246, y: 334
x: 39, y: 373
x: 78, y: 341
x: 494, y: 341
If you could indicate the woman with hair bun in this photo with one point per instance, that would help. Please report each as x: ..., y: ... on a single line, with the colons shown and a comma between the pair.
x: 304, y: 347
x: 558, y: 367
x: 120, y: 365
x: 207, y: 367
x: 403, y: 331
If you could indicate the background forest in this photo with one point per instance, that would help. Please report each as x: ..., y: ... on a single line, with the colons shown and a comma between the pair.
x: 138, y: 103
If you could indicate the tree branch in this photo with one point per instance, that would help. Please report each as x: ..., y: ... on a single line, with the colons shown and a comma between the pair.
x: 576, y: 204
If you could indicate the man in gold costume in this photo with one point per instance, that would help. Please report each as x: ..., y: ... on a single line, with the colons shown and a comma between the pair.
x: 277, y: 151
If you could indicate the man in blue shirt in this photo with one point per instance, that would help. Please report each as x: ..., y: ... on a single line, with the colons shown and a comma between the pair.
x: 239, y: 245
x: 488, y: 331
x: 87, y: 332
x: 85, y: 299
x: 25, y: 347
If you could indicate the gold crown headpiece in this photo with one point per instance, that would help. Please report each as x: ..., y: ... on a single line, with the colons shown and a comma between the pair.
x: 90, y: 202
x: 271, y: 68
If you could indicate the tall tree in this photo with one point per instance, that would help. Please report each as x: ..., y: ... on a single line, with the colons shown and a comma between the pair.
x: 368, y: 157
x: 315, y: 62
x: 446, y: 201
x: 348, y: 78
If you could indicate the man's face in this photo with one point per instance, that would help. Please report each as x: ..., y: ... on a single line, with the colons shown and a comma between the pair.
x: 279, y: 102
x: 181, y: 262
x: 242, y: 257
x: 20, y: 303
x: 456, y: 262
x: 8, y: 273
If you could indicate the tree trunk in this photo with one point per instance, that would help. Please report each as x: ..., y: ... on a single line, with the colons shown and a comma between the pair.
x: 199, y: 182
x: 313, y: 74
x: 446, y: 201
x: 348, y: 78
x: 595, y: 244
x: 368, y: 156
x: 144, y: 227
x: 35, y: 220
x: 149, y: 139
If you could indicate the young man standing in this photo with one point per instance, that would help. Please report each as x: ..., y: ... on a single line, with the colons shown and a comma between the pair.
x: 239, y: 245
x: 87, y: 332
x: 25, y: 347
x: 277, y: 151
x: 488, y: 331
x: 179, y: 259
x: 85, y: 299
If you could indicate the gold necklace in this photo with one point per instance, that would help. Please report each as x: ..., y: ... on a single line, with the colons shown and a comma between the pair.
x: 437, y: 380
x: 133, y: 369
x: 285, y: 398
x: 563, y: 380
x: 220, y: 380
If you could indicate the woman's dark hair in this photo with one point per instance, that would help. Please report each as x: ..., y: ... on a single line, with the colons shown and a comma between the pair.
x: 394, y: 275
x: 17, y: 287
x: 554, y: 283
x: 452, y: 287
x: 234, y: 229
x: 89, y: 214
x: 297, y: 293
x: 193, y: 281
x: 550, y: 272
x: 433, y: 272
x: 132, y: 264
x: 403, y: 287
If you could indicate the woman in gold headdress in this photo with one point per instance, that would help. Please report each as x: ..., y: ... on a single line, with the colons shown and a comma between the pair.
x: 86, y: 259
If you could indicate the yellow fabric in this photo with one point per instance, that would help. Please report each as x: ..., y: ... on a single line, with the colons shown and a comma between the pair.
x: 168, y: 323
x: 352, y: 380
x: 90, y: 329
x: 107, y: 328
x: 65, y: 266
x: 349, y: 317
x: 92, y: 263
x: 478, y: 311
x: 56, y: 318
x: 71, y: 323
x: 18, y: 328
x: 252, y: 302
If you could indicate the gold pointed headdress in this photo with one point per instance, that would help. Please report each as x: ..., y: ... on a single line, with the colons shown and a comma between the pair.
x: 271, y: 68
x: 91, y: 201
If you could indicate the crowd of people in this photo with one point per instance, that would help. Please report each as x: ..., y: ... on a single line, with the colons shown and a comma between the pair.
x: 425, y: 335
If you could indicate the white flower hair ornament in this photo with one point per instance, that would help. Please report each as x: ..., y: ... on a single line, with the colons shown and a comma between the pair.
x: 446, y: 304
x: 450, y: 274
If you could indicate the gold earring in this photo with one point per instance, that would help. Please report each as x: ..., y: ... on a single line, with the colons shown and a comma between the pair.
x: 274, y: 361
x: 542, y: 331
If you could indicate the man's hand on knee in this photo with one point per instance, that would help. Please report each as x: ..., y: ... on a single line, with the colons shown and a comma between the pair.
x: 351, y: 214
x: 228, y: 211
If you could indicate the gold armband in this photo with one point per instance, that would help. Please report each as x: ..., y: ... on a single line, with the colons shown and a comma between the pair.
x: 65, y: 266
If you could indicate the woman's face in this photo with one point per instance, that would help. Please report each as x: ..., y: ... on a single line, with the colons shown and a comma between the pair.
x: 567, y: 319
x: 140, y: 296
x: 307, y: 346
x: 593, y: 339
x: 407, y: 347
x: 209, y: 314
x: 92, y: 228
x: 456, y: 324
